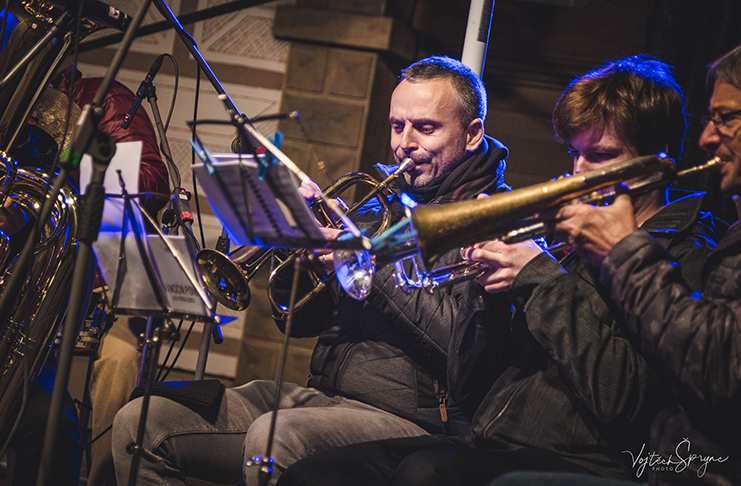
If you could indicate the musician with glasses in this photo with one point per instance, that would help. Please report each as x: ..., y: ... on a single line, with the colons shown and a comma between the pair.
x: 693, y: 339
x: 575, y: 392
x: 378, y: 368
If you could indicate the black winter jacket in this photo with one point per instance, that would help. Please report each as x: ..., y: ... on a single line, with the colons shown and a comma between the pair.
x: 390, y: 350
x: 693, y: 339
x: 568, y: 381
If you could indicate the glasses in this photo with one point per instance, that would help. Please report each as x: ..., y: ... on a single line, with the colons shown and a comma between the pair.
x: 720, y: 119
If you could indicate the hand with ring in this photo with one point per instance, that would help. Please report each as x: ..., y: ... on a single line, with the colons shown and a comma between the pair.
x: 326, y: 259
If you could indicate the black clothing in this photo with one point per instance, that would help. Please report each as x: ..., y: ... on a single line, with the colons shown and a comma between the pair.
x: 693, y: 340
x: 420, y: 461
x: 28, y: 440
x: 577, y: 386
x: 390, y: 350
x: 566, y: 388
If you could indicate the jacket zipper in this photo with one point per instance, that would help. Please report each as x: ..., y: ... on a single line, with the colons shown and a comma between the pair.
x: 504, y: 409
x: 341, y: 367
x: 442, y: 400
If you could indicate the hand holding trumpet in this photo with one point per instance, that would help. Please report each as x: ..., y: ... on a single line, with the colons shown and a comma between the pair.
x: 593, y: 230
x: 503, y: 261
x: 325, y: 256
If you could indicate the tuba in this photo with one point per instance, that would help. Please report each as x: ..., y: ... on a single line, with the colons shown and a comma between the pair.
x: 38, y: 37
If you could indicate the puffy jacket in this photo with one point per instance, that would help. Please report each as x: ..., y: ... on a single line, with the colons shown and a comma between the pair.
x: 693, y: 339
x: 569, y: 381
x: 390, y: 349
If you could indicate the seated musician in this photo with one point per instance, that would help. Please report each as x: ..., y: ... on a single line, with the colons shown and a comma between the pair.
x: 691, y: 338
x: 378, y: 369
x: 575, y: 391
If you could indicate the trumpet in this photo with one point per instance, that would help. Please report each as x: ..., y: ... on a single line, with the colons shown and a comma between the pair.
x: 511, y: 216
x: 227, y: 277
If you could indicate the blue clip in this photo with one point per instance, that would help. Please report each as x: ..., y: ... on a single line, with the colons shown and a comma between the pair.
x: 268, y: 158
x: 204, y: 155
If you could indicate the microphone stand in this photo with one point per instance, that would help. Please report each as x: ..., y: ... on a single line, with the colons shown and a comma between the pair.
x: 102, y: 151
x: 181, y: 198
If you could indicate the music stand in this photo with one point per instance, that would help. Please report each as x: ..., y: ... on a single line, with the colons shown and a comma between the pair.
x: 149, y: 275
x: 258, y: 204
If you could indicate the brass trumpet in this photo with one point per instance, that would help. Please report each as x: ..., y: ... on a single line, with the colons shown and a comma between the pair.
x: 514, y: 216
x: 227, y: 277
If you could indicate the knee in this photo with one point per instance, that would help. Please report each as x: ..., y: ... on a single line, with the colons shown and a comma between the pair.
x: 289, y: 445
x: 125, y: 424
x: 256, y: 438
x: 160, y: 419
x: 432, y: 467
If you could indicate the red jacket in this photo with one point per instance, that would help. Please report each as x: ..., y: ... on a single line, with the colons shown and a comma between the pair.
x: 153, y: 175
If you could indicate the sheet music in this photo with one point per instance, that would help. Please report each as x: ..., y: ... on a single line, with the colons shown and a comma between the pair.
x: 136, y: 295
x: 126, y: 159
x: 258, y: 212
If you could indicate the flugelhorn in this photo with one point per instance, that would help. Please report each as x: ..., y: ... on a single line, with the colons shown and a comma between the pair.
x: 227, y: 277
x: 514, y: 216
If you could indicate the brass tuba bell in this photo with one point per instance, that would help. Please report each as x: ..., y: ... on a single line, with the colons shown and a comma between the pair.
x: 26, y: 64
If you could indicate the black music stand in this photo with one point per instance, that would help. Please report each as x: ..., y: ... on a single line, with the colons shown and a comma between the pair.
x: 257, y: 201
x: 258, y: 204
x: 149, y: 275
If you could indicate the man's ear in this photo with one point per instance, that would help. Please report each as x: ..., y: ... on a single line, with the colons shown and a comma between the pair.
x: 474, y: 134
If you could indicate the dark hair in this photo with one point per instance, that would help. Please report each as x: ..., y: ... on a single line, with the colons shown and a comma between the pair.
x: 469, y: 87
x: 637, y: 96
x: 726, y: 69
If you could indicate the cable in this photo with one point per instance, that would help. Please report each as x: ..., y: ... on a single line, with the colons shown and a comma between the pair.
x: 174, y: 91
x: 182, y: 347
x: 193, y: 160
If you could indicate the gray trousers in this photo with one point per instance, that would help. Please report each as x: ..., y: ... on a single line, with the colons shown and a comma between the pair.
x: 180, y: 443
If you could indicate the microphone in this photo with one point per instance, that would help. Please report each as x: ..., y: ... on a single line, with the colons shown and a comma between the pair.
x: 141, y: 93
x: 106, y: 14
x: 275, y: 116
x: 240, y: 145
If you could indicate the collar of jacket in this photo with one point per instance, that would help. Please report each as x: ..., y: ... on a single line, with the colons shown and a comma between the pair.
x: 676, y: 217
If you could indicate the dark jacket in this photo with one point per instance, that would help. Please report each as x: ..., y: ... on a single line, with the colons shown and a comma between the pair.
x: 390, y: 349
x: 693, y: 340
x: 572, y: 383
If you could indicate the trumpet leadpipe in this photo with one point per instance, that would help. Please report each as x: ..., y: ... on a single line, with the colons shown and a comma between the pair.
x: 533, y: 228
x: 443, y: 228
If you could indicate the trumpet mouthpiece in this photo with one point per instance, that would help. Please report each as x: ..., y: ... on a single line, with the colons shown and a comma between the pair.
x: 406, y: 165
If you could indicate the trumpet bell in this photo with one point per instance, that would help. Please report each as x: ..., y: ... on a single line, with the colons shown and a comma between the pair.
x: 354, y: 271
x: 223, y: 279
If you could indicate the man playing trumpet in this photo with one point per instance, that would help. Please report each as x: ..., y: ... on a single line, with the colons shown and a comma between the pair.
x: 573, y: 392
x: 378, y: 369
x: 692, y: 338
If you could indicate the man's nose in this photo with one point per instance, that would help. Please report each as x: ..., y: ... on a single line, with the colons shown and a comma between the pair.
x: 710, y: 138
x: 580, y: 164
x: 408, y: 140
